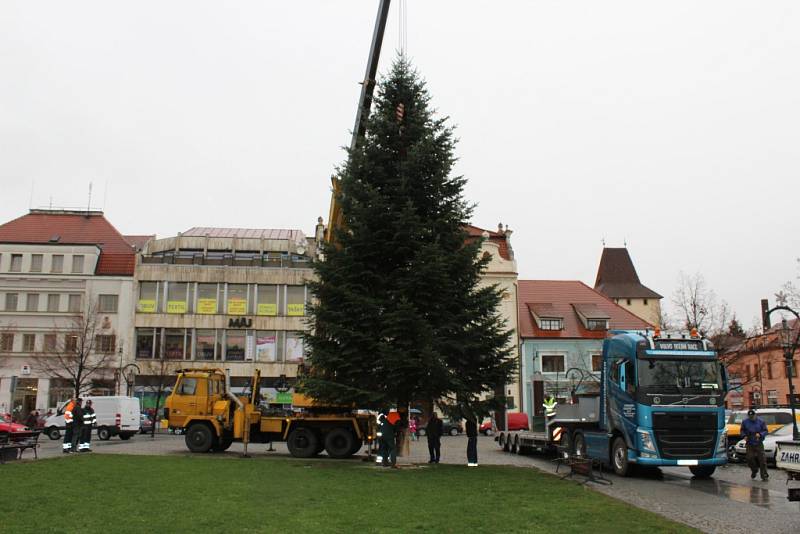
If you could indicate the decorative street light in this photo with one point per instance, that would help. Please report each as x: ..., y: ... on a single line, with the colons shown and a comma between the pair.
x: 789, y: 346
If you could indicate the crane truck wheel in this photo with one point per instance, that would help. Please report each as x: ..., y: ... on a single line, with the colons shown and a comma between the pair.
x: 619, y: 457
x: 302, y: 443
x: 222, y: 444
x: 515, y: 446
x: 580, y: 444
x: 702, y: 471
x: 199, y: 438
x: 339, y: 442
x: 506, y: 444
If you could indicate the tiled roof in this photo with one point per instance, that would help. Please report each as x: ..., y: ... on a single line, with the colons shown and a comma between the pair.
x: 117, y: 256
x: 560, y: 296
x: 495, y: 237
x: 617, y: 278
x: 244, y: 233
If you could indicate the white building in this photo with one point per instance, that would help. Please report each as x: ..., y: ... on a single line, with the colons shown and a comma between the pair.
x: 58, y: 267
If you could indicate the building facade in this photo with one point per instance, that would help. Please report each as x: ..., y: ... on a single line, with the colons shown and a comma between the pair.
x: 66, y: 286
x: 223, y: 298
x: 757, y: 371
x: 562, y: 327
x: 617, y: 279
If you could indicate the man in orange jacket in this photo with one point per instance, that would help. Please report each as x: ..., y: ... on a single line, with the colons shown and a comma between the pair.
x: 68, y: 423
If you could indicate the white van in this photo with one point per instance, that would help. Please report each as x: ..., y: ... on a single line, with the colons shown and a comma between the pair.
x: 116, y: 416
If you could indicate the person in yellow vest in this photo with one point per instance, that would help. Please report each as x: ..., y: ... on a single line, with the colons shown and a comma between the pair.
x: 68, y: 424
x: 549, y: 406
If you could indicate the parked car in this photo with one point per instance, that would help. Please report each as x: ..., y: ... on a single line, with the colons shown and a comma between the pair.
x: 116, y: 416
x: 774, y: 418
x: 452, y: 427
x: 487, y: 428
x: 146, y: 424
x: 7, y: 424
x: 770, y: 443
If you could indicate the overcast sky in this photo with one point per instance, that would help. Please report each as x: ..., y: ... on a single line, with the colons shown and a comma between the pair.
x: 672, y: 126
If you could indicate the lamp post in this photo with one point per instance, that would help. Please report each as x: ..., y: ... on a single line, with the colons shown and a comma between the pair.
x: 789, y: 346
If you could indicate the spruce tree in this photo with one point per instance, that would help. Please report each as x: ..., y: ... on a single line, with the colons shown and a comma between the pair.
x: 399, y: 314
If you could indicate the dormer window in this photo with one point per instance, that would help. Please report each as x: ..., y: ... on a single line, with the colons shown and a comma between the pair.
x: 551, y: 324
x: 592, y: 317
x: 597, y: 324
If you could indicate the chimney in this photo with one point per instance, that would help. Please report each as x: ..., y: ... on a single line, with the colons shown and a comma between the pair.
x: 764, y: 315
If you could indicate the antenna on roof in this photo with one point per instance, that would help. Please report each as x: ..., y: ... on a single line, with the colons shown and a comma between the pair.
x: 603, y: 241
x: 105, y: 195
x: 625, y: 242
x: 30, y: 201
x: 89, y: 205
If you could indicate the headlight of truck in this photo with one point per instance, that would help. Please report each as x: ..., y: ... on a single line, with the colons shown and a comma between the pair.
x: 647, y: 440
x: 722, y: 444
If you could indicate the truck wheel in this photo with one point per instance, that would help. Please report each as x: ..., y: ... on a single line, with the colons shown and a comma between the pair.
x: 125, y: 436
x: 199, y: 438
x: 356, y: 447
x: 339, y: 442
x: 104, y: 433
x: 302, y: 443
x: 566, y: 442
x: 506, y: 444
x: 53, y: 433
x: 515, y: 446
x: 222, y: 444
x: 619, y: 457
x: 702, y: 471
x: 580, y: 444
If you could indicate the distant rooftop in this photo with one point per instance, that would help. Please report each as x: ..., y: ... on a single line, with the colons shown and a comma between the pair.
x: 617, y: 278
x: 244, y: 233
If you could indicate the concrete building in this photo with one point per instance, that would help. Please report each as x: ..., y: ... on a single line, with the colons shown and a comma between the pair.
x: 562, y: 326
x: 223, y: 297
x: 617, y: 280
x: 61, y: 270
x: 502, y: 271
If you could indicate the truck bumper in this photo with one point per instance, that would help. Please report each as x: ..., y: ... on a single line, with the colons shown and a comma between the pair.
x: 717, y: 460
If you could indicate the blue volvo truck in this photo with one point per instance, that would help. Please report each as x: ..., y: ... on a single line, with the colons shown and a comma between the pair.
x: 660, y: 403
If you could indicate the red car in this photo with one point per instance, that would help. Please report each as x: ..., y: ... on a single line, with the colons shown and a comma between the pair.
x: 6, y: 425
x: 516, y: 421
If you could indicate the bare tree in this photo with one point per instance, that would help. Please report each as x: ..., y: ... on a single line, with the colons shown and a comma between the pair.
x: 81, y: 352
x: 697, y: 306
x: 161, y: 373
x: 789, y: 293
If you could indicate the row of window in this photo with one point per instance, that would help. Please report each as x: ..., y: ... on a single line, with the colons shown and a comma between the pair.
x: 756, y: 370
x: 558, y: 324
x: 54, y: 343
x: 556, y: 363
x: 222, y: 298
x: 36, y: 265
x: 219, y: 344
x: 52, y: 302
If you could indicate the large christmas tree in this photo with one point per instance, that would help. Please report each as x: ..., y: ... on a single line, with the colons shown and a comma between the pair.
x: 399, y: 312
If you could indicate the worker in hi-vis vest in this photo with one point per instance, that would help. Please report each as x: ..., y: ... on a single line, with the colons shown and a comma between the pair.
x: 549, y: 406
x: 68, y: 424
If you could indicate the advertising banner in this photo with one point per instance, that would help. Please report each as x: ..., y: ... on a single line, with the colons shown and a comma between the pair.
x: 294, y: 349
x: 146, y: 306
x: 237, y: 306
x: 270, y: 309
x: 266, y: 348
x: 176, y: 306
x: 283, y: 398
x: 295, y: 310
x: 207, y: 306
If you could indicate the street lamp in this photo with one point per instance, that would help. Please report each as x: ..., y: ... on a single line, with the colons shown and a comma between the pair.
x: 789, y: 345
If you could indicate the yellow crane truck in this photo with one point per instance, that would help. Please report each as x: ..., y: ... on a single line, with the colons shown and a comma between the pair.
x: 212, y: 418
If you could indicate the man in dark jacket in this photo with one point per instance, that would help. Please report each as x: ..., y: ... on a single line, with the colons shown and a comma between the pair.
x: 77, y: 424
x: 755, y: 430
x: 433, y: 431
x: 89, y: 420
x: 389, y: 445
x: 472, y: 441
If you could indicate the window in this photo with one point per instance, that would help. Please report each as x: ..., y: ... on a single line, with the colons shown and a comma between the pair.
x: 6, y: 342
x: 294, y: 346
x: 28, y: 342
x: 786, y: 366
x: 53, y: 302
x: 49, y: 342
x: 237, y: 299
x: 551, y: 324
x: 188, y: 386
x: 772, y: 397
x: 295, y: 301
x: 32, y: 303
x: 177, y: 297
x: 11, y: 301
x: 174, y: 344
x: 597, y: 362
x: 234, y: 345
x: 628, y: 302
x: 267, y: 300
x: 16, y: 263
x: 553, y: 363
x: 206, y: 343
x: 105, y: 344
x: 107, y: 303
x: 769, y: 370
x: 77, y: 264
x: 71, y: 343
x: 145, y: 342
x: 148, y: 297
x: 747, y: 372
x: 75, y: 303
x: 207, y: 299
x: 266, y: 346
x: 36, y: 263
x: 597, y: 324
x: 57, y: 263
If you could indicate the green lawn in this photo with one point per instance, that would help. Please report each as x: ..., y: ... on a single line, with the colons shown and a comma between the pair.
x: 102, y: 493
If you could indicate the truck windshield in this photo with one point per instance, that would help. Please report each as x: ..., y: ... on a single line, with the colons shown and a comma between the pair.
x: 680, y: 376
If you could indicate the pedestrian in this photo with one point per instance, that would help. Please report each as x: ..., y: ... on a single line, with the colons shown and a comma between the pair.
x: 89, y: 421
x: 433, y: 431
x: 380, y: 421
x: 755, y: 430
x: 472, y: 441
x: 77, y: 424
x: 32, y: 420
x: 412, y: 428
x: 69, y: 425
x: 389, y: 457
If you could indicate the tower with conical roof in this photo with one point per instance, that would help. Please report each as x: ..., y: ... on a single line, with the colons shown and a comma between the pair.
x: 617, y: 279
